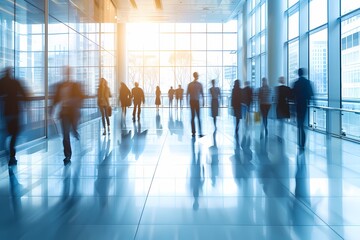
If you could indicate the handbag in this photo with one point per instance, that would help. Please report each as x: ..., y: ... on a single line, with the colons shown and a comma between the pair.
x: 109, y: 110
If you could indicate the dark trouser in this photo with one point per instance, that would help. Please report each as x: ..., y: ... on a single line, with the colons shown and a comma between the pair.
x: 301, y: 115
x: 104, y: 115
x: 138, y: 106
x: 264, y: 108
x: 13, y: 128
x: 67, y: 123
x: 195, y: 109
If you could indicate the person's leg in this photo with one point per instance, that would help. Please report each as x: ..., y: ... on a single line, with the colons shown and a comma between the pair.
x: 102, y: 111
x: 192, y: 108
x: 266, y: 113
x: 65, y: 125
x: 107, y: 119
x: 197, y: 111
x: 134, y: 111
x: 13, y: 129
x: 139, y: 111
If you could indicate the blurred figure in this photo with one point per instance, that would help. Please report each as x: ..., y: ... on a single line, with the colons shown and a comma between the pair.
x: 70, y: 96
x: 236, y: 103
x: 215, y: 95
x: 265, y: 104
x: 12, y: 93
x: 283, y: 94
x: 124, y: 97
x: 179, y: 92
x: 194, y: 91
x: 157, y: 97
x: 247, y: 99
x: 171, y: 93
x: 303, y: 92
x: 103, y: 95
x: 139, y: 97
x: 159, y: 127
x: 197, y: 175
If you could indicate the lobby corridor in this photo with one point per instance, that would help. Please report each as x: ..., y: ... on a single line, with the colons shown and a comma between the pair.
x: 151, y: 180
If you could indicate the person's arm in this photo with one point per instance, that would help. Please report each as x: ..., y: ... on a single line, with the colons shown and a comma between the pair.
x: 202, y: 95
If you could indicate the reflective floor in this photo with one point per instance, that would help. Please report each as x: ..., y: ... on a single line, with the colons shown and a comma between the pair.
x: 151, y: 180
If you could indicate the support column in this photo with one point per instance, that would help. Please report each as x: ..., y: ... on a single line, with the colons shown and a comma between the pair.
x: 46, y: 66
x: 333, y: 123
x: 242, y: 45
x: 121, y: 54
x: 275, y: 40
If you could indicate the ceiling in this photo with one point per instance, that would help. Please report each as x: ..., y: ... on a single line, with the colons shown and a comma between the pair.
x: 174, y: 11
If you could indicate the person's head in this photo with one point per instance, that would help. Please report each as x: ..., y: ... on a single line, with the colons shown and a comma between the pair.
x: 179, y: 85
x: 8, y: 72
x: 103, y: 82
x: 171, y: 87
x: 237, y: 83
x: 136, y: 84
x: 301, y: 72
x: 195, y: 75
x: 282, y: 80
x: 213, y: 82
x: 157, y: 87
x: 264, y: 81
x: 247, y: 83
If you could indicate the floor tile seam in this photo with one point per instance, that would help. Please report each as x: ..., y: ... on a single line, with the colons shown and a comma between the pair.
x: 300, y: 201
x: 147, y: 195
x: 232, y: 225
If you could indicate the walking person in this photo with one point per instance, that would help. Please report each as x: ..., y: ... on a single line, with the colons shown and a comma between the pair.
x: 171, y: 93
x: 236, y: 104
x: 157, y: 97
x: 12, y: 93
x: 70, y: 96
x: 193, y: 94
x: 103, y: 95
x: 303, y: 92
x: 247, y: 99
x: 283, y: 96
x: 139, y: 97
x: 179, y: 92
x: 265, y: 104
x: 125, y: 98
x: 215, y: 95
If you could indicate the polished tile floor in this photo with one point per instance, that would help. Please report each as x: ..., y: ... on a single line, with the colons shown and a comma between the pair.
x: 151, y: 180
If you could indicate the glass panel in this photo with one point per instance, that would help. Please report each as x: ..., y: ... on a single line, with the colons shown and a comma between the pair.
x: 183, y: 58
x: 182, y: 41
x: 167, y: 58
x: 230, y: 41
x: 350, y: 61
x: 214, y: 41
x: 230, y: 26
x: 316, y: 17
x: 214, y: 27
x: 135, y: 59
x: 167, y: 41
x: 182, y: 27
x: 214, y: 58
x: 230, y: 74
x: 230, y: 58
x: 151, y: 58
x: 318, y: 63
x: 349, y: 5
x: 293, y: 26
x: 263, y: 17
x: 198, y: 58
x: 198, y: 41
x: 167, y: 27
x: 152, y: 41
x: 293, y: 61
x: 198, y: 27
x: 151, y: 79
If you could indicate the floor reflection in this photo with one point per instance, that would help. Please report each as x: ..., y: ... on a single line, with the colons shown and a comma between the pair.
x: 196, y: 174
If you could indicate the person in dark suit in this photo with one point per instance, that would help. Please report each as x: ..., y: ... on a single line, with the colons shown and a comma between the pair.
x: 124, y: 97
x: 70, y: 96
x: 303, y: 92
x: 215, y: 95
x: 194, y: 92
x: 12, y: 92
x: 139, y: 97
x: 247, y: 99
x: 171, y: 93
x: 284, y: 95
x: 179, y: 92
x: 236, y: 103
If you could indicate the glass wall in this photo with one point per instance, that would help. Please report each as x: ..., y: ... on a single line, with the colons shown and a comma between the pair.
x: 166, y: 55
x: 80, y: 34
